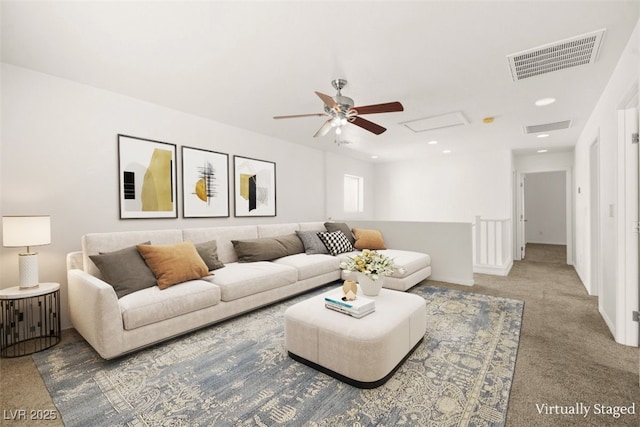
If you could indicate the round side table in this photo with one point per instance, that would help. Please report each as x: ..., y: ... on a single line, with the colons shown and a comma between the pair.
x: 29, y: 319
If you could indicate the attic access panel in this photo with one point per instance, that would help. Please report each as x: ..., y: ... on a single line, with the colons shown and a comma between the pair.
x: 436, y: 122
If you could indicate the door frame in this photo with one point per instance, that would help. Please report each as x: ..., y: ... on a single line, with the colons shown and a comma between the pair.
x: 519, y: 236
x: 595, y: 276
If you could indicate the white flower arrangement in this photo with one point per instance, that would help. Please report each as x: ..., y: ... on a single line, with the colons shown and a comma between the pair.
x: 371, y: 263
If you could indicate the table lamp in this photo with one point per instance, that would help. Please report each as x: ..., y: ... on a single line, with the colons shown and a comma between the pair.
x: 19, y: 231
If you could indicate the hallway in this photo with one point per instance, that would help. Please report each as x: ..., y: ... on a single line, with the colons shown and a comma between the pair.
x: 566, y: 355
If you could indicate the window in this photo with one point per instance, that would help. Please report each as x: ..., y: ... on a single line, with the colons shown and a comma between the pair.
x: 353, y: 193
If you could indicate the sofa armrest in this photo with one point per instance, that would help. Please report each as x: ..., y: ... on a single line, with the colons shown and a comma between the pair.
x: 95, y: 313
x: 74, y: 261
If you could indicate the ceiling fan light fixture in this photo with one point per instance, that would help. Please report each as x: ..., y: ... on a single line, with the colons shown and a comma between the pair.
x: 341, y: 111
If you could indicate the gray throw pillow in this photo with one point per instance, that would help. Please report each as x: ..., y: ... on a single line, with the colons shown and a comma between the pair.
x: 208, y: 251
x: 268, y: 248
x: 311, y: 242
x: 125, y: 270
x: 341, y: 226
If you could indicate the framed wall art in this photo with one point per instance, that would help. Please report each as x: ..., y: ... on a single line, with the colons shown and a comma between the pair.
x: 147, y: 173
x: 254, y: 187
x: 205, y: 183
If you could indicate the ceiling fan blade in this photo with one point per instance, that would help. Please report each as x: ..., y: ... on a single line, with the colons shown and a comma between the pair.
x: 367, y: 125
x: 295, y: 116
x: 389, y: 107
x: 328, y: 101
x: 326, y: 127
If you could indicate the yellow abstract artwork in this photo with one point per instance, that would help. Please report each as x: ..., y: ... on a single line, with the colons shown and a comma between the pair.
x: 157, y: 187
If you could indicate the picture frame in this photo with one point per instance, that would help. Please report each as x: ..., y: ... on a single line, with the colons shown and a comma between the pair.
x: 147, y: 178
x: 254, y: 187
x: 205, y: 183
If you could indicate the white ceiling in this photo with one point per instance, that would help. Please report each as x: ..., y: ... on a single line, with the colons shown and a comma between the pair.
x: 241, y: 63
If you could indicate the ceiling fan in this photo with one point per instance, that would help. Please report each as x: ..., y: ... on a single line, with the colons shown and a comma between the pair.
x: 341, y: 111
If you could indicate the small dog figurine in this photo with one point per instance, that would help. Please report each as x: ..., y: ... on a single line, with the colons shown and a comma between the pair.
x: 349, y: 289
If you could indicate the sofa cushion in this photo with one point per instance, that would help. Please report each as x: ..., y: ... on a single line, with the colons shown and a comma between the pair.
x: 406, y: 262
x: 312, y: 226
x: 125, y: 270
x: 153, y: 305
x: 340, y: 226
x: 335, y: 241
x: 310, y: 265
x: 239, y: 279
x: 173, y: 264
x: 275, y: 230
x: 222, y: 236
x: 208, y: 251
x: 266, y: 249
x: 311, y: 242
x: 368, y: 239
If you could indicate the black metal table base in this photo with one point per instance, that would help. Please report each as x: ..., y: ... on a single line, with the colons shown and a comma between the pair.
x: 28, y: 325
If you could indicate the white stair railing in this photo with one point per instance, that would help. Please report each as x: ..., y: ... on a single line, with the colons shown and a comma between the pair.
x: 492, y: 246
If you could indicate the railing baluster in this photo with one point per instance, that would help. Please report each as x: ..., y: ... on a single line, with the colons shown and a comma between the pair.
x: 491, y: 242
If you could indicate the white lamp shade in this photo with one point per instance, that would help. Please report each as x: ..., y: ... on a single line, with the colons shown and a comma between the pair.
x: 18, y: 231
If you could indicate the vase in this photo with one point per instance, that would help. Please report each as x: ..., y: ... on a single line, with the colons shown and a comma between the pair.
x: 370, y: 287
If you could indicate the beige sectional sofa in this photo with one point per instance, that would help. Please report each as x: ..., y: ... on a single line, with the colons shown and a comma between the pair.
x: 114, y: 326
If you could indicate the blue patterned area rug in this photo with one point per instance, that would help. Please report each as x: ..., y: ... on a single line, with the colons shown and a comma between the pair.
x: 237, y: 373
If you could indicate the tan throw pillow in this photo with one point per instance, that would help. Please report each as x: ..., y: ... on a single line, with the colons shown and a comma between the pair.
x: 368, y: 239
x: 173, y: 264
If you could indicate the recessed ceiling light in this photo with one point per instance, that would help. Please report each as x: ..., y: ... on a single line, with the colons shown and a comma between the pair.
x: 543, y: 135
x: 432, y: 142
x: 374, y: 157
x: 542, y: 151
x: 446, y: 151
x: 545, y: 101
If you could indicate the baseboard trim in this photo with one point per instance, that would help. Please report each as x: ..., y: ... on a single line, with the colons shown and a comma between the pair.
x: 452, y: 280
x: 495, y: 270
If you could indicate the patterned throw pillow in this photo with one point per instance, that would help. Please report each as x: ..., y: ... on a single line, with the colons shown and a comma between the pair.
x: 335, y: 241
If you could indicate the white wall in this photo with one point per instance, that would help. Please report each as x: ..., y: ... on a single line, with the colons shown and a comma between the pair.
x: 619, y: 292
x: 545, y: 204
x: 59, y: 157
x: 447, y: 243
x: 453, y: 187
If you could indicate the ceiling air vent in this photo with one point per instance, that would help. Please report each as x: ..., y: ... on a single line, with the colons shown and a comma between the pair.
x: 571, y: 52
x: 436, y: 122
x: 547, y: 127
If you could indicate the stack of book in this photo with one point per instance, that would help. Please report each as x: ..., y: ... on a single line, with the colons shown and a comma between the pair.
x: 357, y: 308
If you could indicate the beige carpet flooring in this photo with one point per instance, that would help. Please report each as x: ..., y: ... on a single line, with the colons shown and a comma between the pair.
x: 567, y: 356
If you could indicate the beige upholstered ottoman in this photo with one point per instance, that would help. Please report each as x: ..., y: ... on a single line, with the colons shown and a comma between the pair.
x: 362, y: 352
